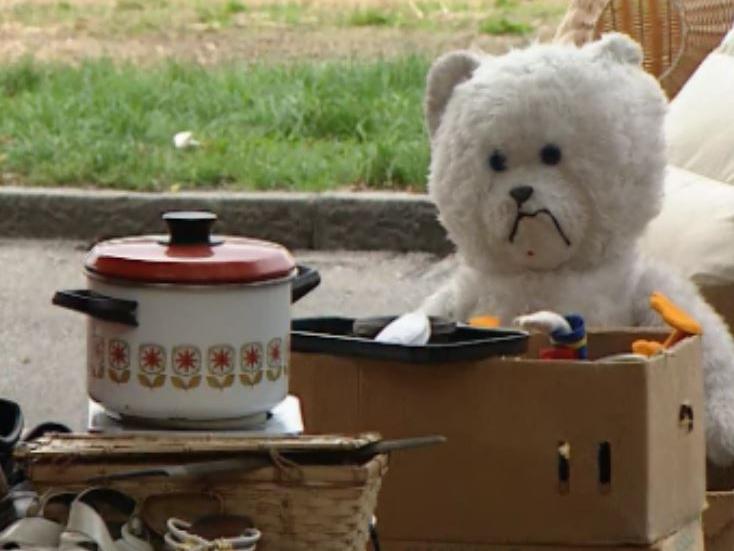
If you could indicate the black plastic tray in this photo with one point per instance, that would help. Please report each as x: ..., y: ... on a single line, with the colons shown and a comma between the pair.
x: 334, y: 335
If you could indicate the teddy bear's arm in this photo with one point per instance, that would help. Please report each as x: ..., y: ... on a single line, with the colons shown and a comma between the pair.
x: 456, y: 299
x: 718, y: 352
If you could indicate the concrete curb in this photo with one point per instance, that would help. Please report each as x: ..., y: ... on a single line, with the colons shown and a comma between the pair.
x: 352, y: 221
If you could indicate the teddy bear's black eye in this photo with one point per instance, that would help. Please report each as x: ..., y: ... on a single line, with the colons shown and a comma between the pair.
x: 498, y: 161
x: 550, y: 154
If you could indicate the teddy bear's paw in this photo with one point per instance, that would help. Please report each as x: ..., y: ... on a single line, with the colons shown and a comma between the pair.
x: 617, y: 47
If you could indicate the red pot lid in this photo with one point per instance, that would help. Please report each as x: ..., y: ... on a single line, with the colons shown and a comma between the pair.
x: 190, y: 254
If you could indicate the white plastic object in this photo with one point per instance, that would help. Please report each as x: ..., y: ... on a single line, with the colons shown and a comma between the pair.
x: 412, y: 329
x: 543, y: 321
x: 179, y: 539
x: 185, y: 140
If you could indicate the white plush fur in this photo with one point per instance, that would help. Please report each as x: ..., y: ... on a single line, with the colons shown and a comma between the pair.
x: 606, y: 116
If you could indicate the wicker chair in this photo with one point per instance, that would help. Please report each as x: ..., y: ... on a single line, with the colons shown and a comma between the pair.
x: 676, y: 35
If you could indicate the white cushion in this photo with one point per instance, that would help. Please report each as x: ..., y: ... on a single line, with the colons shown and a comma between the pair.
x: 701, y: 118
x: 727, y: 45
x: 695, y: 229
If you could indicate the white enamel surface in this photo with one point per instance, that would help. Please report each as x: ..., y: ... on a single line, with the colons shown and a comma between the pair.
x: 204, y: 317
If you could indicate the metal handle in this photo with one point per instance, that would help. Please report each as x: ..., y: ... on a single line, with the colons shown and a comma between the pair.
x: 387, y: 446
x: 306, y: 281
x: 98, y: 306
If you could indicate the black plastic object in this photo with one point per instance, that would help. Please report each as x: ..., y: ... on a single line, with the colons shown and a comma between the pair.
x: 98, y: 306
x: 441, y: 328
x: 47, y: 427
x: 190, y: 228
x: 307, y: 279
x: 334, y: 335
x: 11, y: 425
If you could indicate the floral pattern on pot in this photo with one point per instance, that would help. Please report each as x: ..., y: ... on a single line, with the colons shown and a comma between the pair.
x: 151, y: 365
x: 256, y: 361
x: 275, y: 359
x: 287, y: 355
x: 96, y: 357
x: 186, y: 366
x: 220, y: 365
x: 251, y: 356
x: 118, y: 358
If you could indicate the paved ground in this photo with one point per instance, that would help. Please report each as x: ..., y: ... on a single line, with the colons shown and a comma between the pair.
x: 43, y: 359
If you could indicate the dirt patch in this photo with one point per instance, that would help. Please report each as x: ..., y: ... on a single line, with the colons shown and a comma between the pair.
x: 217, y: 31
x: 236, y: 44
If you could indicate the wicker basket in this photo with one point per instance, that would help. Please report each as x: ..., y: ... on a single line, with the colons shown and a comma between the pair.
x: 676, y: 35
x: 325, y: 507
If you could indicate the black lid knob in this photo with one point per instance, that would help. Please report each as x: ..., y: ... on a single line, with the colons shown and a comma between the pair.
x: 190, y: 227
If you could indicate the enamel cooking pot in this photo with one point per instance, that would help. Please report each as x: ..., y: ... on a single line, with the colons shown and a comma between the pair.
x: 189, y: 326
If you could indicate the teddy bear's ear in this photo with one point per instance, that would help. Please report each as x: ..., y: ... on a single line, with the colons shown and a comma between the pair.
x: 446, y: 72
x: 617, y: 47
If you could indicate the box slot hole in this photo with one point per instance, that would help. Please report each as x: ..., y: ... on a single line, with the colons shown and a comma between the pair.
x: 604, y: 460
x: 563, y: 453
x: 685, y: 417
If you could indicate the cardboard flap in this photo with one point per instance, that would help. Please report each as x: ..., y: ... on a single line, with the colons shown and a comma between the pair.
x: 719, y: 514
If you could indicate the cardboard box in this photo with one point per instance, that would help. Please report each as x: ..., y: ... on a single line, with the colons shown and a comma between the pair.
x: 688, y: 538
x: 719, y: 515
x: 502, y: 478
x: 719, y: 521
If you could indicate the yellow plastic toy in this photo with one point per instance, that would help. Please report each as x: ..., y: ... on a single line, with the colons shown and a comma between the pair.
x: 484, y: 322
x: 681, y: 322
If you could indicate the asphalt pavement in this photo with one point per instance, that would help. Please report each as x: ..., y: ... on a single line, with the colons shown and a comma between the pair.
x: 42, y: 364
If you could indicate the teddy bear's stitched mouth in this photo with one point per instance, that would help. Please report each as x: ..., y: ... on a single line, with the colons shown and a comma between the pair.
x: 520, y: 215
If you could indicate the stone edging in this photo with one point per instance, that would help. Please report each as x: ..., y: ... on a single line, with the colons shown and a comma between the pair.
x: 352, y: 221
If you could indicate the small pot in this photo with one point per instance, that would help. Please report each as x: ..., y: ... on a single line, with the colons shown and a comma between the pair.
x: 189, y: 326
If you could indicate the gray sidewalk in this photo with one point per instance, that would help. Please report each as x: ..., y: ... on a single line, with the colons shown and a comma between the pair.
x: 43, y: 364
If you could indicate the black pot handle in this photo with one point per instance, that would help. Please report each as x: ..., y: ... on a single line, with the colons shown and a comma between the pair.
x: 306, y: 281
x: 98, y: 306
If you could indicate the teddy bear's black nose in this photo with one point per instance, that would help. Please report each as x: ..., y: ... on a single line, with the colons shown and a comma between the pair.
x: 521, y: 194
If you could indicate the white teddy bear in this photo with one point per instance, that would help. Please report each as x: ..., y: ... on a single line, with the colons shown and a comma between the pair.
x: 547, y: 165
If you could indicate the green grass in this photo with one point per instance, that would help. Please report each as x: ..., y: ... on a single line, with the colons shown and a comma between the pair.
x: 503, y: 24
x: 234, y: 6
x: 310, y: 126
x: 515, y: 17
x: 371, y: 18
